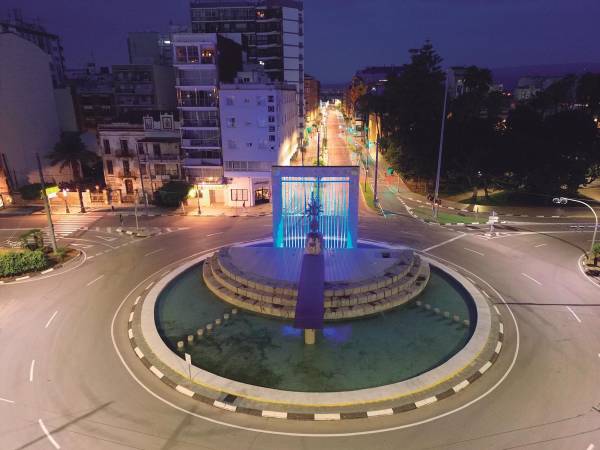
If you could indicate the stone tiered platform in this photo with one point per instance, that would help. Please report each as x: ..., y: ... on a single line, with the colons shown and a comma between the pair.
x: 358, y: 282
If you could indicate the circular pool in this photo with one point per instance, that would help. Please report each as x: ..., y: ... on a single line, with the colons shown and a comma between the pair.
x: 373, y: 351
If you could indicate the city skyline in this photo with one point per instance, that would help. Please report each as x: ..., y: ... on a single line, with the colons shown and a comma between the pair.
x: 464, y: 32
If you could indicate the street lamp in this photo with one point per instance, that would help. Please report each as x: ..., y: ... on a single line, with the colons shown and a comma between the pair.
x: 198, y: 198
x: 65, y: 193
x: 564, y: 200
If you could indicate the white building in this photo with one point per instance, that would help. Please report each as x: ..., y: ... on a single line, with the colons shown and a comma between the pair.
x: 29, y: 120
x: 259, y: 130
x: 139, y: 157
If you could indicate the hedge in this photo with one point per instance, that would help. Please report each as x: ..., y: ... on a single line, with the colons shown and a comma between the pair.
x: 172, y: 193
x: 17, y: 263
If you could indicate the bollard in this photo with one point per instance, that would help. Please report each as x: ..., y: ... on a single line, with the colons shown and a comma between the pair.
x: 456, y: 318
x: 200, y: 332
x: 191, y: 339
x: 419, y: 303
x: 446, y: 314
x: 234, y: 311
x: 225, y: 316
x: 466, y: 323
x: 180, y: 345
x: 209, y: 327
x: 437, y: 310
x: 427, y: 306
x: 217, y: 322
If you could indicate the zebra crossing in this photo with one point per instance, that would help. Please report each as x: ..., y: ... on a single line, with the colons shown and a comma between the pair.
x: 65, y: 226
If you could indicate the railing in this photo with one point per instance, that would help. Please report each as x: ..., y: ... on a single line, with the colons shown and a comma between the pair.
x: 197, y: 104
x: 200, y: 143
x: 124, y: 154
x: 126, y: 174
x: 200, y: 123
x: 165, y: 157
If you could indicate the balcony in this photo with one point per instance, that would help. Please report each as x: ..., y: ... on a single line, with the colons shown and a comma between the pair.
x: 163, y: 157
x: 202, y: 143
x: 191, y: 123
x: 126, y: 174
x: 190, y: 103
x: 124, y: 154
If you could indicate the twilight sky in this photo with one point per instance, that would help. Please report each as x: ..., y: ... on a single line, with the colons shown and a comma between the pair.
x: 344, y: 35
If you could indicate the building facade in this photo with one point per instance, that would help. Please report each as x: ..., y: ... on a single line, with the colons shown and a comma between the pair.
x: 143, y: 87
x: 139, y: 158
x: 312, y: 96
x: 272, y: 33
x: 35, y: 33
x: 259, y: 130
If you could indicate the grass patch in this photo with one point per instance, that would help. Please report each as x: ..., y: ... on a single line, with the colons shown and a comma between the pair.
x: 368, y: 194
x: 511, y: 198
x: 444, y: 217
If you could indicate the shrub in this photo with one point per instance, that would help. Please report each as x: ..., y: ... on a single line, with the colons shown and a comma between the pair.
x: 17, y: 263
x: 172, y: 193
x: 32, y: 239
x: 32, y: 191
x: 61, y: 253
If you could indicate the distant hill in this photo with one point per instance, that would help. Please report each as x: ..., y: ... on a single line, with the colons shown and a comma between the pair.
x: 509, y: 76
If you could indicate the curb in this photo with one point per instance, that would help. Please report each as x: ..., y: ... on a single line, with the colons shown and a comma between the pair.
x: 11, y: 280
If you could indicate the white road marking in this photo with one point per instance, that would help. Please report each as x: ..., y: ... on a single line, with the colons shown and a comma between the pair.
x: 574, y: 315
x: 44, y: 272
x: 444, y: 243
x: 531, y: 278
x: 90, y: 257
x: 225, y: 406
x: 149, y: 286
x: 51, y: 319
x: 184, y: 390
x: 380, y: 412
x: 591, y: 447
x: 485, y: 367
x: 48, y: 435
x: 473, y: 251
x: 137, y: 299
x: 94, y: 280
x: 31, y: 367
x: 460, y: 386
x: 153, y: 252
x: 274, y: 414
x: 131, y: 317
x: 214, y: 234
x: 540, y: 245
x: 6, y: 400
x: 426, y: 401
x: 485, y: 293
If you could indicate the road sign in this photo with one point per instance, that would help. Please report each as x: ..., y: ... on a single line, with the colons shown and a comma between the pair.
x: 52, y: 191
x: 493, y: 219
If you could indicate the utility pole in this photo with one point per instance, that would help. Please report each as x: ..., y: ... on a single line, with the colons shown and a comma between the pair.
x: 375, y: 197
x: 142, y: 180
x: 439, y: 164
x: 46, y: 204
x: 318, y: 146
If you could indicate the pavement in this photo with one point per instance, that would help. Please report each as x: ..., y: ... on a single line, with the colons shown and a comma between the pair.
x: 71, y: 380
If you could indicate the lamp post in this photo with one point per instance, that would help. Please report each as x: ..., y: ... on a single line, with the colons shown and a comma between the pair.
x: 565, y: 200
x: 439, y: 162
x: 375, y: 196
x: 198, y: 198
x: 65, y: 193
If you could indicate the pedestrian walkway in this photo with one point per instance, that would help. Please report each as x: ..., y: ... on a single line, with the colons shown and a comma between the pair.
x: 65, y: 226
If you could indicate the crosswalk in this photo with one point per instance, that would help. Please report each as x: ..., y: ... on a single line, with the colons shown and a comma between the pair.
x: 65, y: 226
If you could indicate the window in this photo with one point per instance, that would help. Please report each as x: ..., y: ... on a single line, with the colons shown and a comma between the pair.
x: 167, y: 122
x: 249, y: 144
x: 239, y: 195
x: 180, y: 54
x: 143, y: 169
x: 271, y: 119
x: 271, y: 129
x: 156, y: 150
x: 109, y: 167
x: 271, y: 108
x: 207, y: 56
x: 124, y: 146
x: 271, y: 138
x: 126, y: 171
x: 271, y: 98
x: 192, y: 55
x: 106, y: 144
x: 160, y: 169
x: 140, y: 148
x: 246, y: 100
x: 148, y: 123
x: 231, y: 122
x: 229, y: 101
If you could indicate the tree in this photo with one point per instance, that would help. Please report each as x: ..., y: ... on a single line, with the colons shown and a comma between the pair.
x: 588, y: 91
x: 71, y: 152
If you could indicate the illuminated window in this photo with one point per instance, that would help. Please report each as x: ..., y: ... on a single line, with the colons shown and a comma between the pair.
x: 207, y: 56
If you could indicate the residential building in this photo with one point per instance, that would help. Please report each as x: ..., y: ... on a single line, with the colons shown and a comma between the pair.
x: 143, y: 87
x: 152, y: 47
x: 34, y: 32
x: 272, y: 34
x: 529, y: 86
x: 93, y: 96
x: 29, y: 119
x: 140, y: 157
x: 312, y: 96
x: 259, y: 130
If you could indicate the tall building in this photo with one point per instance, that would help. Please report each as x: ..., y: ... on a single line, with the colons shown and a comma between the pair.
x: 93, y: 95
x: 29, y: 118
x: 143, y: 87
x: 272, y: 35
x: 151, y: 47
x: 37, y: 34
x: 312, y: 96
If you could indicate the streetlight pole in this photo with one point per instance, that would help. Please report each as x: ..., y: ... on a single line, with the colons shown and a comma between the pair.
x: 375, y: 196
x: 46, y: 204
x: 564, y: 200
x: 198, y: 198
x: 439, y: 163
x: 65, y: 193
x: 318, y: 146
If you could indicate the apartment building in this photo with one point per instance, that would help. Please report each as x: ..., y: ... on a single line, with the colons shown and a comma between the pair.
x: 312, y: 97
x: 143, y: 87
x: 272, y: 35
x: 140, y: 157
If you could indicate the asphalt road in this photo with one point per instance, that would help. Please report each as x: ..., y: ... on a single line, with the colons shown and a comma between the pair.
x: 65, y: 385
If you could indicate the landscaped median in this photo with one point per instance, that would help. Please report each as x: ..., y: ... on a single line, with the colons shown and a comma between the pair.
x: 31, y: 257
x: 445, y: 218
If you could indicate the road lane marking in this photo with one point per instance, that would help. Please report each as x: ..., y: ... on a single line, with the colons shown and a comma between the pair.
x: 531, y: 278
x: 149, y: 286
x: 137, y: 299
x: 485, y: 293
x: 6, y: 400
x: 473, y: 251
x: 48, y: 435
x: 574, y: 315
x: 153, y: 252
x: 94, y: 280
x: 31, y: 367
x: 51, y: 319
x: 591, y: 447
x: 214, y: 234
x: 444, y: 243
x: 540, y: 245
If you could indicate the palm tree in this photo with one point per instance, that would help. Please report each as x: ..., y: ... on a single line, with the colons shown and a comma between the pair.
x: 71, y: 152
